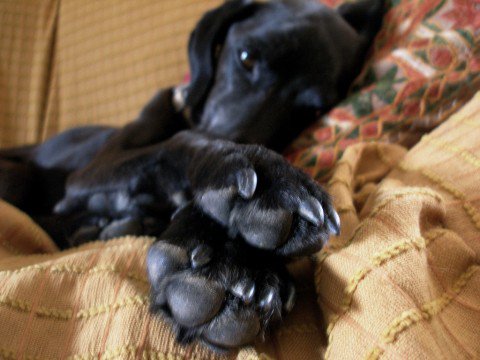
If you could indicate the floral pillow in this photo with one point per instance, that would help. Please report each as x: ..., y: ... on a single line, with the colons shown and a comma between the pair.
x: 424, y: 65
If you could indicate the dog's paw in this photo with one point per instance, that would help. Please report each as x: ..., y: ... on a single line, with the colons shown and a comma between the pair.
x: 106, y: 215
x: 257, y: 194
x: 214, y: 289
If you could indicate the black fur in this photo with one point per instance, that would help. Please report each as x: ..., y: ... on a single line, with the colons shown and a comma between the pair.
x: 226, y: 209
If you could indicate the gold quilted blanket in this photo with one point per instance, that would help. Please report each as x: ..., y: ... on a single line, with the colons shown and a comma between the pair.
x: 401, y: 282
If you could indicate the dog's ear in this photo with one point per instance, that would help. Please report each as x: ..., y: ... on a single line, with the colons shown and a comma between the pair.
x: 205, y: 44
x: 365, y: 16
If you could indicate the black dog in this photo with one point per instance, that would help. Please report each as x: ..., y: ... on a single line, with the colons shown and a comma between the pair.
x: 191, y: 171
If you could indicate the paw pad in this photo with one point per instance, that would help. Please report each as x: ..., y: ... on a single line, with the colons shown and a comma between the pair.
x: 193, y: 300
x: 213, y: 288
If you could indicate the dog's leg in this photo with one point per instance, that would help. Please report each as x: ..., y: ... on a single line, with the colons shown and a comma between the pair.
x: 101, y: 162
x: 216, y: 270
x: 248, y: 189
x: 33, y: 177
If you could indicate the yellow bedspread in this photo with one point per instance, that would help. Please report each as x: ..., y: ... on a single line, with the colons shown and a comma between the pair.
x: 403, y: 279
x: 401, y: 282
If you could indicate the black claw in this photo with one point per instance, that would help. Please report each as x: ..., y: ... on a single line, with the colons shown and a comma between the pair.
x: 179, y: 199
x: 177, y: 211
x: 291, y: 297
x: 266, y: 301
x: 333, y: 223
x: 121, y: 227
x: 84, y: 234
x: 244, y: 289
x: 201, y: 256
x: 246, y: 183
x: 67, y: 206
x: 311, y: 210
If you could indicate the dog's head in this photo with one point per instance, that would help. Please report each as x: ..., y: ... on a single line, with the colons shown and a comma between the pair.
x: 260, y: 71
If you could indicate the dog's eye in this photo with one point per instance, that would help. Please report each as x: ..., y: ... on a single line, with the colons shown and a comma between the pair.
x: 248, y: 60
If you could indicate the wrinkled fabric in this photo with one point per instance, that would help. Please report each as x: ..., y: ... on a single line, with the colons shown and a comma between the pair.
x: 403, y: 279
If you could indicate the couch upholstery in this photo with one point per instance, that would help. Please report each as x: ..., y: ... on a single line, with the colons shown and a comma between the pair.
x: 66, y: 63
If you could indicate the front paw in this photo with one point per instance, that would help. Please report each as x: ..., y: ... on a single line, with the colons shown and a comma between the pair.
x: 107, y: 215
x: 214, y: 289
x: 123, y: 192
x: 257, y: 194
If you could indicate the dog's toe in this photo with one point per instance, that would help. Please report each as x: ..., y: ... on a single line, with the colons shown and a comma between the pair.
x: 233, y: 327
x: 122, y: 227
x: 256, y: 194
x: 107, y: 215
x: 285, y: 219
x: 84, y: 234
x: 262, y: 227
x: 213, y: 288
x: 193, y: 300
x: 165, y: 259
